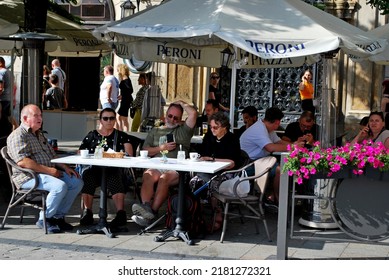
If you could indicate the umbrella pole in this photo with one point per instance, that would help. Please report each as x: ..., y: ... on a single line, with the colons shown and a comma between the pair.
x: 233, y: 89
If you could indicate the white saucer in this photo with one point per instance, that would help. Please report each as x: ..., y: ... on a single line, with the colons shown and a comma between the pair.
x: 194, y: 160
x: 143, y: 157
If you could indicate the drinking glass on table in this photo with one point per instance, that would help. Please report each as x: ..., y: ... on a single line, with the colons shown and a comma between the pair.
x: 162, y: 140
x: 205, y: 128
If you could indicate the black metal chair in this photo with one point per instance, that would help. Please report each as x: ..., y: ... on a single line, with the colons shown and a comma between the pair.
x: 24, y: 197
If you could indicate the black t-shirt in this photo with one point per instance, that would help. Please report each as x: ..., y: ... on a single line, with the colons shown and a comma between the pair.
x: 228, y: 147
x: 56, y: 97
x: 240, y: 131
x: 293, y: 131
x: 93, y: 139
x: 216, y: 92
x: 126, y: 91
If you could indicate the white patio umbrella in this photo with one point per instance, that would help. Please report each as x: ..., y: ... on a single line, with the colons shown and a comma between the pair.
x: 7, y: 28
x: 193, y: 32
x: 381, y: 32
x: 277, y: 32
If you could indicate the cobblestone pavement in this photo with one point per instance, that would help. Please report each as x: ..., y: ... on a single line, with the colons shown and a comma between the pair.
x: 25, y: 241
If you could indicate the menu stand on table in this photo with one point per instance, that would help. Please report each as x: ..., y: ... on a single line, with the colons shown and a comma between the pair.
x: 102, y: 225
x: 179, y: 231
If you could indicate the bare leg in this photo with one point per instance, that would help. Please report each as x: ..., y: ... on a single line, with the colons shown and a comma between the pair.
x: 118, y: 199
x: 123, y: 123
x: 87, y: 201
x: 166, y: 180
x: 150, y: 177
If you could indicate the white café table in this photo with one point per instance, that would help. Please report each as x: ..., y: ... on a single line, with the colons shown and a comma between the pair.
x: 155, y: 163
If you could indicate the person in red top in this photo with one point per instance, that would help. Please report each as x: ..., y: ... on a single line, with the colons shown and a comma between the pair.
x: 306, y: 92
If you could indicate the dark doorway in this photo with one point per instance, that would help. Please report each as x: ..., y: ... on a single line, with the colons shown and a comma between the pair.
x: 83, y: 82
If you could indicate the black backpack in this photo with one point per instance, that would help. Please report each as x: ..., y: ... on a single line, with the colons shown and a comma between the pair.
x: 193, y: 217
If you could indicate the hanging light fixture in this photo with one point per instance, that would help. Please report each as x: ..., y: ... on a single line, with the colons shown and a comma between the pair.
x: 225, y: 57
x: 127, y: 9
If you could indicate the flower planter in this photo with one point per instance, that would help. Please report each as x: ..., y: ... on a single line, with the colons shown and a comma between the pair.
x: 358, y: 202
x: 345, y: 172
x: 360, y: 207
x: 376, y: 174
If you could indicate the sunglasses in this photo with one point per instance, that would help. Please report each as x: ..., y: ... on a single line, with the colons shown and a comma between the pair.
x: 215, y: 77
x: 108, y: 118
x: 170, y: 116
x: 215, y: 127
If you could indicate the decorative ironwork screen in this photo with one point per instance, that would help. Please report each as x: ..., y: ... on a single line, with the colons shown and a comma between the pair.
x: 268, y: 87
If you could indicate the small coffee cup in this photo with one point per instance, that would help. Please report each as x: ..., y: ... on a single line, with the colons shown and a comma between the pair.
x: 84, y: 153
x: 194, y: 156
x: 144, y: 153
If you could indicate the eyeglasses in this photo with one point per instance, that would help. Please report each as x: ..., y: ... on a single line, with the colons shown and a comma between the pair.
x: 108, y: 118
x: 170, y: 116
x: 215, y: 77
x: 215, y: 127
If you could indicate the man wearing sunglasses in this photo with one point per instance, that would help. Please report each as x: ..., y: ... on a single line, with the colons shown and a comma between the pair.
x: 152, y: 198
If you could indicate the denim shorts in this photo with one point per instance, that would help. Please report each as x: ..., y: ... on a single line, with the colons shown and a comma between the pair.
x: 112, y: 105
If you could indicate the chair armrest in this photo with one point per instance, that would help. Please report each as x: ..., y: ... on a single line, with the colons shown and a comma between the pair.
x: 26, y: 170
x: 237, y: 170
x: 240, y: 180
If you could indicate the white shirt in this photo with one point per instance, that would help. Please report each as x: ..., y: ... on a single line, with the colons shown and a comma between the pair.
x: 61, y: 77
x: 109, y: 80
x: 255, y: 138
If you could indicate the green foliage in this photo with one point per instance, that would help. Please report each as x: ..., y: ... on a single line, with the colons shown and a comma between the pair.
x: 382, y: 5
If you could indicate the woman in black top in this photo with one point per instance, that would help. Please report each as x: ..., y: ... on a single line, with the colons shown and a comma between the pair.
x: 108, y: 138
x: 214, y: 91
x: 221, y: 144
x: 125, y: 96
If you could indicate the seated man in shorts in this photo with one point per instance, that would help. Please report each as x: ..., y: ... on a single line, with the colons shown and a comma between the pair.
x: 152, y: 198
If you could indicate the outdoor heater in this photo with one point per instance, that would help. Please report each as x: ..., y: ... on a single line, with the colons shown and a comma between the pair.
x: 32, y: 42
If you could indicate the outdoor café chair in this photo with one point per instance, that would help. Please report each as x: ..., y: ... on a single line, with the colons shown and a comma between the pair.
x: 254, y: 200
x: 24, y: 197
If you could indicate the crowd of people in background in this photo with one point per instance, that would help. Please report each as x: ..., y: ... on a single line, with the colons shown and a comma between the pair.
x: 53, y: 87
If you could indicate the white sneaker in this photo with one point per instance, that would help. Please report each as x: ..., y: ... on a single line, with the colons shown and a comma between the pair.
x: 141, y: 221
x: 143, y: 210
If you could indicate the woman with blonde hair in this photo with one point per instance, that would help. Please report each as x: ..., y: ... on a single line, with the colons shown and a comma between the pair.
x: 125, y: 96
